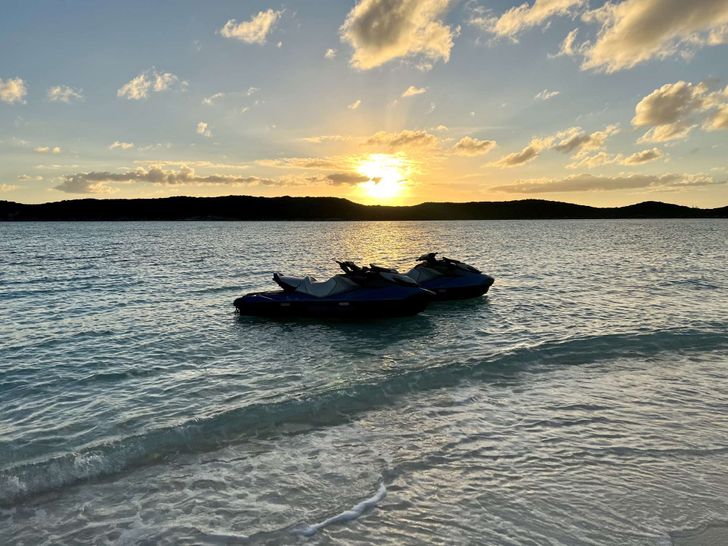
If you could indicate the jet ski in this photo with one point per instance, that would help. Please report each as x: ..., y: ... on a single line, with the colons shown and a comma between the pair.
x: 449, y: 279
x: 358, y: 292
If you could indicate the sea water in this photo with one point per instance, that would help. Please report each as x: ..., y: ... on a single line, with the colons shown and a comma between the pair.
x: 584, y: 400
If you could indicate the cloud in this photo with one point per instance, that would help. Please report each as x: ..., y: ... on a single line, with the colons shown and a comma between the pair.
x: 117, y: 145
x: 330, y: 54
x: 354, y: 105
x: 383, y: 30
x: 674, y: 110
x: 345, y: 179
x: 204, y: 130
x: 64, y: 93
x: 519, y: 18
x: 529, y: 153
x: 7, y: 187
x: 573, y: 140
x: 29, y: 178
x: 644, y: 156
x: 411, y: 91
x: 96, y: 182
x: 301, y: 163
x: 589, y: 182
x: 213, y: 98
x: 635, y: 31
x: 589, y: 161
x: 576, y: 140
x: 149, y: 81
x: 47, y: 150
x: 469, y: 146
x: 719, y: 120
x: 321, y: 139
x: 546, y: 94
x: 254, y: 31
x: 13, y: 90
x: 567, y: 48
x: 402, y: 139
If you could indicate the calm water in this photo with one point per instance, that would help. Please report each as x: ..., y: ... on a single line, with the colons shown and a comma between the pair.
x: 583, y: 401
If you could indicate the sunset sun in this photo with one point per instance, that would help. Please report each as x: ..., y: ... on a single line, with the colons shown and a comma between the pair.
x: 387, y: 175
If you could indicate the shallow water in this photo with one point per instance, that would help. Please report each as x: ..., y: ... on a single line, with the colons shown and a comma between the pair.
x: 584, y: 400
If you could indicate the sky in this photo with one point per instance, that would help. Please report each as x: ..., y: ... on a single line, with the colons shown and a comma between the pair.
x: 377, y: 101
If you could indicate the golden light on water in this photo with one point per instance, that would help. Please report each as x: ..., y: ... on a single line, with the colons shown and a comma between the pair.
x: 387, y: 175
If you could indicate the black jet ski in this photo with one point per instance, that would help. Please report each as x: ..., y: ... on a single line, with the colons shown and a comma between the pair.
x: 359, y: 292
x: 449, y: 279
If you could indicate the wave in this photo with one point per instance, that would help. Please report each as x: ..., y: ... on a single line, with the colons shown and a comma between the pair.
x: 348, y: 515
x: 329, y: 407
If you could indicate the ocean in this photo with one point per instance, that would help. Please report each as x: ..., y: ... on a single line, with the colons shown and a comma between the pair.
x: 584, y: 400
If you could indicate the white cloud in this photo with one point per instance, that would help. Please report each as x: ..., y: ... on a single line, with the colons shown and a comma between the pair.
x: 254, y: 31
x: 118, y: 145
x: 204, y: 129
x: 519, y: 18
x: 47, y: 150
x: 149, y: 81
x: 330, y: 54
x: 383, y: 30
x: 635, y: 31
x: 354, y: 105
x: 64, y: 93
x: 7, y: 187
x: 469, y: 146
x: 546, y: 94
x: 13, y: 90
x: 675, y: 109
x: 252, y: 91
x: 589, y: 182
x: 29, y: 178
x: 411, y: 91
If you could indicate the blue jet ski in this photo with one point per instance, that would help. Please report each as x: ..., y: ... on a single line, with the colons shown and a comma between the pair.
x: 359, y: 292
x: 449, y: 279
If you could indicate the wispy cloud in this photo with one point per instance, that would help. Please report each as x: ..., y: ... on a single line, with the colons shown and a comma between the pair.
x: 354, y: 105
x: 47, y: 149
x: 402, y: 139
x: 411, y: 91
x: 64, y: 93
x: 118, y: 145
x: 589, y: 182
x: 330, y: 54
x: 150, y: 81
x: 253, y: 31
x: 469, y: 146
x: 546, y: 94
x: 519, y: 18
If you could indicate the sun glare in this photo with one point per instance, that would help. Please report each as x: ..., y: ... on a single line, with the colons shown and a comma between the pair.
x: 387, y: 175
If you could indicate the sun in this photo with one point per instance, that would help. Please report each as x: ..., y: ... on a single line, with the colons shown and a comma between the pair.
x: 387, y: 175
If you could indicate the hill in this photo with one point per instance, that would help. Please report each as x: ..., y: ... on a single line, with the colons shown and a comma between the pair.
x: 331, y: 208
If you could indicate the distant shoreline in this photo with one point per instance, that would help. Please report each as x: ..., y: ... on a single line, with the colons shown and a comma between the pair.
x: 249, y: 208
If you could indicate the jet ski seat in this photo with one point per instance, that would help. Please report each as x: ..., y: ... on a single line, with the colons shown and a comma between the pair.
x: 422, y: 273
x: 310, y: 286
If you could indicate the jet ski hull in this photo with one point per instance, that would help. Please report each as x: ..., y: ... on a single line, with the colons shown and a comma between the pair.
x: 359, y: 304
x: 459, y: 287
